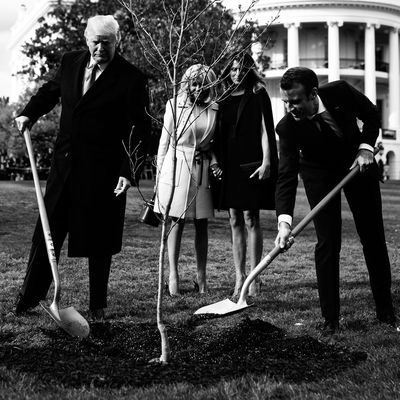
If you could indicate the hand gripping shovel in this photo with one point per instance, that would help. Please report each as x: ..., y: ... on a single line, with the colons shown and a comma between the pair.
x: 68, y: 318
x: 225, y: 307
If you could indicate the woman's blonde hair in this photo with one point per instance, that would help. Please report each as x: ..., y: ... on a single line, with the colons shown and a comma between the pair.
x: 203, y: 74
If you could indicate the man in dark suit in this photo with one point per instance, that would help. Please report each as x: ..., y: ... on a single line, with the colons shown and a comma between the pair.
x: 320, y: 139
x: 103, y: 118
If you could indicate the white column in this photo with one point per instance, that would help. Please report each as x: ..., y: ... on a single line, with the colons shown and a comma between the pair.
x: 333, y: 50
x: 394, y: 81
x: 293, y: 44
x: 369, y: 62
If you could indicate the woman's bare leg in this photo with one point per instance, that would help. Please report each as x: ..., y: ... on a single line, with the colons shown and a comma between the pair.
x: 238, y: 247
x: 255, y: 245
x: 174, y: 246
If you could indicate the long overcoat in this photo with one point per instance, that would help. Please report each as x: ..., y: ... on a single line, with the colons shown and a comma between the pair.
x: 90, y: 154
x: 187, y: 170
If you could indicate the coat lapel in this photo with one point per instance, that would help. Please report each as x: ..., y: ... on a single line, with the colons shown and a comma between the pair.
x: 337, y: 111
x: 78, y: 69
x: 211, y: 117
x: 104, y: 82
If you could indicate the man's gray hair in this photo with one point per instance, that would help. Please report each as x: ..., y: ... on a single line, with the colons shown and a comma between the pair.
x: 104, y: 23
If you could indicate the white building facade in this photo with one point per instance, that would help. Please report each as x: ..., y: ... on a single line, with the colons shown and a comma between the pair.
x: 354, y: 40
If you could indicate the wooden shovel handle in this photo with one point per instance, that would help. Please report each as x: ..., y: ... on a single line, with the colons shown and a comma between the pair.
x: 43, y: 218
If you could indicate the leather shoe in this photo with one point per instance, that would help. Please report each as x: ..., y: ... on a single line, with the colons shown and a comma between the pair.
x: 22, y: 305
x: 330, y: 327
x: 97, y: 314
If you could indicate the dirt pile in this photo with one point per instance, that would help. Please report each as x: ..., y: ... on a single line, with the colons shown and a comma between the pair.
x: 117, y: 354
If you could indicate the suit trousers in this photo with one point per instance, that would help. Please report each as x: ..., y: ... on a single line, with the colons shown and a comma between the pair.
x: 364, y: 199
x: 38, y: 276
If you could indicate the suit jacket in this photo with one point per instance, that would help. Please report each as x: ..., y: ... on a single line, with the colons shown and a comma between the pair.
x: 186, y: 168
x: 296, y: 151
x: 89, y: 154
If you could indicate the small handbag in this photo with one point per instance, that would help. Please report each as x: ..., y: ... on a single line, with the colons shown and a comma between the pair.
x: 147, y: 214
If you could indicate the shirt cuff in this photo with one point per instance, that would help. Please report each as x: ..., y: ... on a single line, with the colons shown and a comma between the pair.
x: 285, y: 218
x: 365, y: 146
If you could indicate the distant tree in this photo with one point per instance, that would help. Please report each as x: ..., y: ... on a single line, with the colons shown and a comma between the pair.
x: 9, y: 137
x: 6, y: 118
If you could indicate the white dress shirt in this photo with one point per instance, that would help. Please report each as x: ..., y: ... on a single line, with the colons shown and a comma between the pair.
x: 88, y: 73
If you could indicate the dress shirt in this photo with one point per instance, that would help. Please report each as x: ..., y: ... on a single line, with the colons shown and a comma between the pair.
x: 88, y: 73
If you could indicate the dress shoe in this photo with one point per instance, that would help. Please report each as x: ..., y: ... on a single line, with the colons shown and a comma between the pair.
x: 97, y: 314
x: 330, y: 327
x: 22, y: 305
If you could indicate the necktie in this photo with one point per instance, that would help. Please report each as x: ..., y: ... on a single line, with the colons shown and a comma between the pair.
x: 325, y: 121
x: 92, y: 77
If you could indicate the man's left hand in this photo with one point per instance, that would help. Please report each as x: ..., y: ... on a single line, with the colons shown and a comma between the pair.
x: 364, y: 159
x: 122, y: 186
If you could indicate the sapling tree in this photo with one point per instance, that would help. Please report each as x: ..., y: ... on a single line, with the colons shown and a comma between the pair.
x: 189, y: 32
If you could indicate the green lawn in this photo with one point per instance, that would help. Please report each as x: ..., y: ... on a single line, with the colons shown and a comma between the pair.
x: 270, y: 351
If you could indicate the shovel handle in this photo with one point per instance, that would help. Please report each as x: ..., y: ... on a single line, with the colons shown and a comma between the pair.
x: 43, y: 218
x: 296, y: 230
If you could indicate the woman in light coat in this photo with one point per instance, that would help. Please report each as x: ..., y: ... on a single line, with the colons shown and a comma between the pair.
x: 183, y: 161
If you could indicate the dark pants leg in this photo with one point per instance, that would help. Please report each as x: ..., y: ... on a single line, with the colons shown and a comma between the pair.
x: 38, y: 274
x: 328, y: 225
x: 364, y: 198
x: 99, y: 271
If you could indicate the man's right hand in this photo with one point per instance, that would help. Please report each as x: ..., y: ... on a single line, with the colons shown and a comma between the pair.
x: 283, y: 235
x: 22, y: 123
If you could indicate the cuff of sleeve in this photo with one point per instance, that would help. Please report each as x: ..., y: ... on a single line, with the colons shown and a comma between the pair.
x: 365, y: 146
x: 285, y: 218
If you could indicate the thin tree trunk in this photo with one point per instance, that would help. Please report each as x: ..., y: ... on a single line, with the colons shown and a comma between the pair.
x: 165, y: 349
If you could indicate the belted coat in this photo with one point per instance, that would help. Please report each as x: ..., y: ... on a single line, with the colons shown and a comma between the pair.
x: 192, y: 160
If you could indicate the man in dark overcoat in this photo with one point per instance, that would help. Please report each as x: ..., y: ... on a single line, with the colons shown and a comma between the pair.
x: 319, y: 138
x: 103, y: 118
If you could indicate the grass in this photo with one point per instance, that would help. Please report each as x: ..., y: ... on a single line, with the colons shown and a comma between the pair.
x: 289, y: 301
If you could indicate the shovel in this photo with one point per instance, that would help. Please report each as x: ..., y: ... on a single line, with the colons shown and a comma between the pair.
x: 225, y: 307
x: 68, y: 318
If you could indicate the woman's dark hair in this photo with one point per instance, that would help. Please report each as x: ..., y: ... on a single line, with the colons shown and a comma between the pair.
x: 302, y: 75
x: 251, y: 78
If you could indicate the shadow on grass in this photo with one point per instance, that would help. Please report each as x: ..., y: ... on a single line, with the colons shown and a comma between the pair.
x: 203, y: 351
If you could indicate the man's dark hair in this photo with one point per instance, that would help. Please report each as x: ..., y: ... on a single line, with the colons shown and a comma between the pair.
x: 302, y: 75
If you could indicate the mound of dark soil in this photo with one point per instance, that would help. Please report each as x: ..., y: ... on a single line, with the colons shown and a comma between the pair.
x: 117, y: 354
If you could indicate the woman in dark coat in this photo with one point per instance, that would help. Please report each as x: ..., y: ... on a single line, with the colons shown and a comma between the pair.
x: 245, y: 147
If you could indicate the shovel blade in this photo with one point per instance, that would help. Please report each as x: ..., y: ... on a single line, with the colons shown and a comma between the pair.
x: 223, y: 307
x: 70, y: 321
